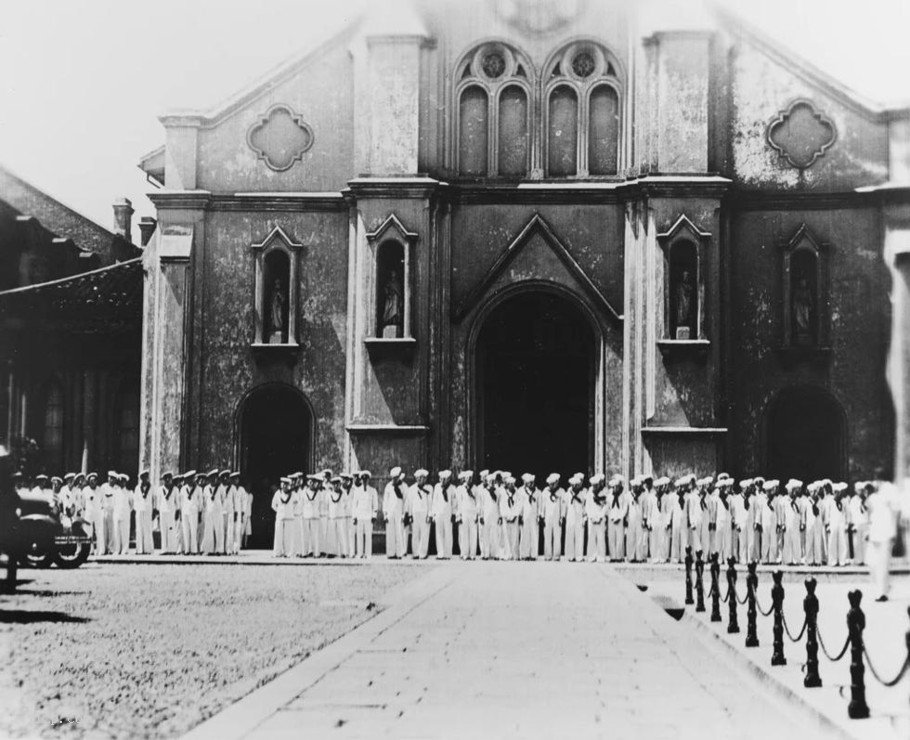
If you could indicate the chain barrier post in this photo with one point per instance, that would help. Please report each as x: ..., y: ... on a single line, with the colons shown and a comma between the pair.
x: 810, y: 607
x: 688, y: 561
x: 699, y: 582
x: 777, y: 601
x: 733, y: 624
x: 715, y: 588
x: 856, y: 623
x: 751, y: 586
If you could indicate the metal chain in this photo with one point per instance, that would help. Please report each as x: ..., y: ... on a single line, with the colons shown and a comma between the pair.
x: 790, y: 634
x: 894, y: 681
x: 745, y: 598
x: 762, y: 611
x: 840, y: 655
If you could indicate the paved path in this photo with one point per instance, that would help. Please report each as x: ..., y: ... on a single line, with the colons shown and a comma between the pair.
x: 517, y: 650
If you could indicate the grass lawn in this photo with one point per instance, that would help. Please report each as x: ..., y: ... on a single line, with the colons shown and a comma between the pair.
x: 152, y: 650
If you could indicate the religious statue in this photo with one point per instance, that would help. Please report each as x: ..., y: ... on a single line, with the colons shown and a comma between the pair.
x: 802, y: 305
x: 276, y: 333
x: 393, y: 308
x: 685, y: 299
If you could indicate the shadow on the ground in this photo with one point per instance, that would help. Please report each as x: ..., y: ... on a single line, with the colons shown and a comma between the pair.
x: 27, y: 616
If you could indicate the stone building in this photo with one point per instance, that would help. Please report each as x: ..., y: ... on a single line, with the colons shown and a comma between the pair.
x: 529, y: 235
x: 70, y: 327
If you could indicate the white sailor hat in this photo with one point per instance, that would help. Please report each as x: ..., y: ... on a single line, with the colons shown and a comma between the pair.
x: 706, y: 481
x: 794, y: 484
x: 509, y: 479
x: 722, y: 476
x: 617, y: 479
x: 421, y: 473
x: 859, y: 485
x: 813, y: 486
x: 553, y: 478
x: 771, y: 485
x: 528, y: 477
x: 326, y: 474
x: 346, y: 476
x: 124, y: 477
x: 395, y: 472
x: 235, y: 474
x: 56, y: 479
x: 484, y: 473
x: 111, y: 473
x: 144, y: 473
x: 285, y: 479
x: 365, y: 474
x: 596, y: 478
x: 213, y: 472
x: 79, y: 476
x: 662, y: 481
x: 839, y: 487
x: 466, y: 475
x: 745, y: 483
x: 189, y: 474
x: 576, y: 479
x: 445, y: 474
x: 759, y: 480
x: 90, y: 476
x: 69, y: 476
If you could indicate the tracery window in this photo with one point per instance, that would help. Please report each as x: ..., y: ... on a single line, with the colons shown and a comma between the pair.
x: 582, y: 109
x: 493, y: 97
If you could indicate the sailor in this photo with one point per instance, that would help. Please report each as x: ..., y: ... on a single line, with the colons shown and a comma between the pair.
x: 782, y: 508
x: 297, y: 507
x: 283, y: 506
x: 41, y: 486
x: 338, y: 532
x: 309, y: 509
x: 468, y: 508
x: 441, y: 512
x: 65, y: 495
x: 789, y: 516
x: 677, y: 526
x: 490, y: 520
x: 660, y: 539
x: 92, y: 497
x: 189, y: 514
x: 596, y: 513
x: 528, y: 537
x: 77, y: 491
x: 617, y: 509
x: 325, y: 527
x: 364, y: 504
x: 553, y: 502
x: 167, y: 504
x: 765, y: 514
x: 647, y: 500
x: 636, y: 541
x: 347, y: 484
x: 836, y: 526
x: 575, y: 518
x: 858, y: 522
x: 212, y: 515
x: 418, y: 512
x: 56, y: 497
x: 238, y: 493
x: 121, y: 508
x: 703, y: 488
x: 393, y: 506
x: 692, y: 512
x: 227, y: 511
x: 510, y: 512
x: 247, y: 517
x: 723, y: 530
x: 143, y: 503
x: 883, y: 504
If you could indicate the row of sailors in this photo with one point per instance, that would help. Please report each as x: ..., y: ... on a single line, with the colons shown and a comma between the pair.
x: 194, y: 512
x: 650, y: 520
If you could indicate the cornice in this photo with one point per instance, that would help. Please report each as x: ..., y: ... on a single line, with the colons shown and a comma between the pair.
x: 205, y: 200
x: 196, y: 200
x: 393, y: 187
x: 794, y: 200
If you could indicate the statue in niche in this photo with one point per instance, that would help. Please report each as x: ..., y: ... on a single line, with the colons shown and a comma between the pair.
x: 276, y: 314
x: 393, y: 307
x: 685, y: 302
x: 802, y: 307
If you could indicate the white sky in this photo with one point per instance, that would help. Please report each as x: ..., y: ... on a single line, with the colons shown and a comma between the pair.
x: 82, y: 83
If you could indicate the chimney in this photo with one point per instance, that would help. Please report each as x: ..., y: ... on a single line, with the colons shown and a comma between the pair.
x: 123, y: 218
x: 147, y: 227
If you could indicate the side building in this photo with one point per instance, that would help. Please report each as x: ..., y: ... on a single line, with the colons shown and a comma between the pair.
x: 70, y: 325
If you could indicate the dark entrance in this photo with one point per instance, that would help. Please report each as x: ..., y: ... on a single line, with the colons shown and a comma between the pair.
x: 276, y: 438
x: 535, y: 360
x: 806, y: 436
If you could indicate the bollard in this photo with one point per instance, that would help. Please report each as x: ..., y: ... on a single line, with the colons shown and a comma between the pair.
x: 715, y: 588
x: 751, y: 614
x: 688, y: 561
x: 699, y: 583
x: 777, y: 601
x: 810, y: 607
x: 856, y: 623
x: 733, y: 625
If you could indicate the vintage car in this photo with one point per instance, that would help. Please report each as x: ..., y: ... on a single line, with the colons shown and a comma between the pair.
x: 46, y: 536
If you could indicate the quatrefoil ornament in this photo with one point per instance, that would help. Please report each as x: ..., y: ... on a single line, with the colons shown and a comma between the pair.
x: 280, y: 138
x: 800, y: 134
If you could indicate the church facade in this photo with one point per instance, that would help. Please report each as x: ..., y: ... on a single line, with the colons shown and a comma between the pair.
x: 528, y: 236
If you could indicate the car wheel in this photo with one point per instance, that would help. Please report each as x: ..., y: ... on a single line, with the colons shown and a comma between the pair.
x: 38, y: 555
x: 73, y: 555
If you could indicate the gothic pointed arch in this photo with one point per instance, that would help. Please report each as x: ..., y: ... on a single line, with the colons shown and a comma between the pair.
x: 391, y: 246
x: 276, y: 302
x: 804, y: 282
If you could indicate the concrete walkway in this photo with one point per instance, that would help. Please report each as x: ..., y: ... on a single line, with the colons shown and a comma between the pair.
x: 517, y: 650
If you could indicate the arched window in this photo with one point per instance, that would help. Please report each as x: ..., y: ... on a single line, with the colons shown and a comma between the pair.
x: 276, y: 289
x: 128, y: 427
x: 684, y: 306
x: 53, y: 425
x: 582, y: 104
x: 805, y: 292
x: 390, y: 293
x: 493, y: 94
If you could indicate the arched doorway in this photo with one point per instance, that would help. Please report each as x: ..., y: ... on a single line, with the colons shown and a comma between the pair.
x: 535, y: 366
x: 276, y: 438
x: 805, y: 435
